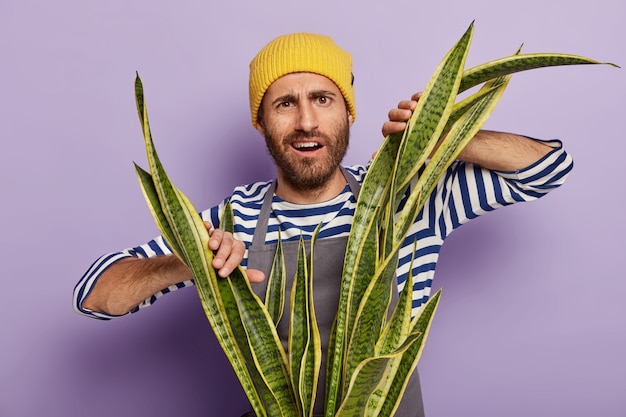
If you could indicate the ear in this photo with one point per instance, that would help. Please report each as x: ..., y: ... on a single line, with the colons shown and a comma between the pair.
x: 350, y: 119
x: 260, y: 128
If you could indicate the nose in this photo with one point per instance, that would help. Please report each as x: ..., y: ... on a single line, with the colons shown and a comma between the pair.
x: 307, y: 117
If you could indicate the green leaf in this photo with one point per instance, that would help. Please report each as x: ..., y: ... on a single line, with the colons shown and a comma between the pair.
x: 460, y: 135
x: 362, y: 224
x: 367, y: 379
x: 150, y: 194
x: 372, y: 308
x: 227, y: 222
x: 399, y: 325
x: 520, y: 62
x: 429, y: 118
x: 388, y: 395
x: 267, y: 352
x: 465, y: 105
x: 276, y: 284
x: 305, y: 352
x: 249, y: 323
x: 439, y: 96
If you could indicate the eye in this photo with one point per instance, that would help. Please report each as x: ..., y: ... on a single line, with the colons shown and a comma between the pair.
x: 323, y: 100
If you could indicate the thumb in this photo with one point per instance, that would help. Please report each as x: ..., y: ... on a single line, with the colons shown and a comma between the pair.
x: 255, y: 275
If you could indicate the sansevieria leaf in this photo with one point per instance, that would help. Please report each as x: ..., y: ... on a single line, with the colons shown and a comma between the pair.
x: 520, y: 62
x: 304, y: 339
x: 429, y: 118
x: 385, y: 400
x: 276, y: 282
x: 399, y: 325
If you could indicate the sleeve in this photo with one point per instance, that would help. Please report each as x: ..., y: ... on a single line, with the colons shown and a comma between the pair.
x: 467, y: 191
x: 156, y: 247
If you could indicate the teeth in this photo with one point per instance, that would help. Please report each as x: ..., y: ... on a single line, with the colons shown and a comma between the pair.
x: 301, y: 145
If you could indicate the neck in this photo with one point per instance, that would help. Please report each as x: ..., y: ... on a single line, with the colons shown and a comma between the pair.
x: 330, y: 189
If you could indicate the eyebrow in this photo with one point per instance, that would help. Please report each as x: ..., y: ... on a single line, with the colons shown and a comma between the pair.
x: 321, y: 93
x: 284, y: 98
x: 289, y: 97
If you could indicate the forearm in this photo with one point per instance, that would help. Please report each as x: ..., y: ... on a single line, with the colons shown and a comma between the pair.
x: 503, y: 151
x: 130, y: 281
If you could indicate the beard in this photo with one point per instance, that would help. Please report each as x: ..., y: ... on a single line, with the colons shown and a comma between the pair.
x: 309, y: 173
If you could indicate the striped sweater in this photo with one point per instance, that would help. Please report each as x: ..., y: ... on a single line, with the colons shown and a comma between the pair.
x: 463, y: 193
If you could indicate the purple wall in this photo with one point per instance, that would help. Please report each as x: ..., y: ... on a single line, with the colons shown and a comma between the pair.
x: 532, y: 321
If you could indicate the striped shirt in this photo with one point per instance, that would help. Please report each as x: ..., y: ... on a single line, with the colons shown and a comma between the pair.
x: 464, y: 192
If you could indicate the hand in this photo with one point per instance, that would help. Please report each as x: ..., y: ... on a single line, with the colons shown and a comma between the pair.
x: 229, y: 254
x: 399, y: 115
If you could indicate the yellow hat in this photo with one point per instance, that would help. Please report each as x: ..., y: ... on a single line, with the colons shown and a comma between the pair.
x: 300, y: 52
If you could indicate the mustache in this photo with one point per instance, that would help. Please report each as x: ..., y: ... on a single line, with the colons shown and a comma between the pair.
x: 306, y: 135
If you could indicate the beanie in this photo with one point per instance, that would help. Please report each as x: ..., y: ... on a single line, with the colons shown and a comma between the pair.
x: 300, y: 52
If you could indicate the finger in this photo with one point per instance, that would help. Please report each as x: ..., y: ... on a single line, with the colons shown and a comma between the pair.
x: 254, y: 275
x: 399, y: 115
x: 229, y: 251
x: 393, y: 127
x: 407, y: 105
x: 234, y: 259
x: 221, y: 247
x: 416, y: 97
x: 222, y: 244
x: 215, y: 240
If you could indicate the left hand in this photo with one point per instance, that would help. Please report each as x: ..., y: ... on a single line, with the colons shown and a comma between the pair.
x: 229, y: 253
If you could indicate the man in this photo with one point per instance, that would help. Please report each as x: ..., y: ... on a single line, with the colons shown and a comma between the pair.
x: 302, y: 102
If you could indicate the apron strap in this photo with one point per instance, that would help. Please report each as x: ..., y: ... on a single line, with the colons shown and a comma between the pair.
x: 258, y: 239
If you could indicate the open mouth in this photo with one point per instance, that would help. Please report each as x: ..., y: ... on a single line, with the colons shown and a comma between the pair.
x: 307, y: 146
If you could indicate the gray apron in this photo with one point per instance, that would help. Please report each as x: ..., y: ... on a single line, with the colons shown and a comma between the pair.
x: 328, y: 266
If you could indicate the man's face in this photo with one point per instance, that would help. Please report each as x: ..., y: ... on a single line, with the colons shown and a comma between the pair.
x: 306, y: 127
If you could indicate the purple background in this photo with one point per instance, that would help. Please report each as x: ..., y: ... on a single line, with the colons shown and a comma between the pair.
x: 532, y: 321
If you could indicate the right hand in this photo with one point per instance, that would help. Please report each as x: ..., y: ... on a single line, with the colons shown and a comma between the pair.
x: 399, y: 115
x: 229, y: 253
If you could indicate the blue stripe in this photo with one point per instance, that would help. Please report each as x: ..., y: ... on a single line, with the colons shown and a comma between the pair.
x: 250, y: 196
x: 311, y: 212
x: 441, y: 220
x: 546, y: 171
x: 559, y: 175
x: 247, y: 217
x: 421, y: 301
x: 155, y: 247
x: 512, y: 186
x: 465, y: 198
x: 420, y: 269
x: 497, y: 189
x: 214, y: 216
x: 240, y: 206
x: 428, y: 250
x: 288, y: 225
x: 525, y: 191
x: 334, y: 231
x: 481, y: 190
x: 245, y: 230
x: 419, y: 235
x: 454, y: 218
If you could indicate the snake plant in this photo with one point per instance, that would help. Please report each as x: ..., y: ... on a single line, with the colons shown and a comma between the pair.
x: 372, y: 353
